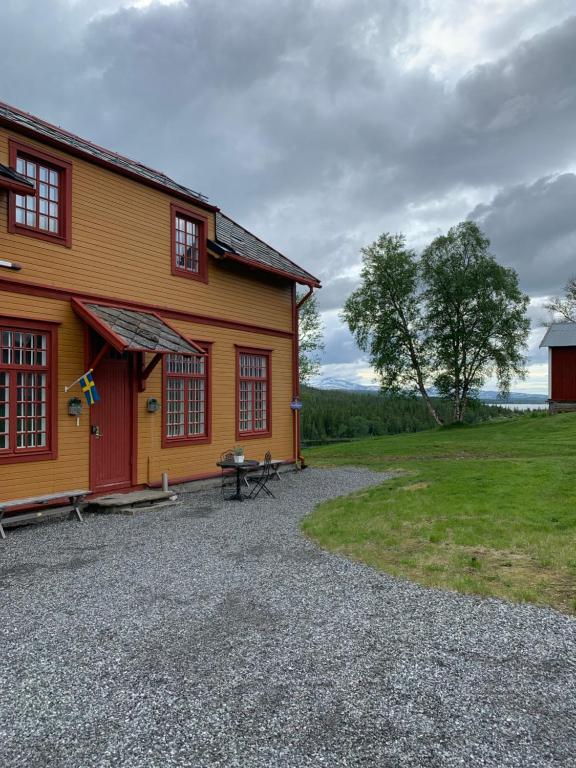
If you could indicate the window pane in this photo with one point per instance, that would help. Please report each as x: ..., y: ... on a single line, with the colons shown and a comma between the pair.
x: 253, y: 392
x: 175, y: 408
x: 4, y: 410
x: 196, y: 407
x: 31, y: 398
x: 187, y: 244
x: 185, y: 396
x: 40, y: 211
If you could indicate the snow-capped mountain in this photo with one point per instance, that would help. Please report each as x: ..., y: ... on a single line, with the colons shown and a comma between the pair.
x: 332, y: 382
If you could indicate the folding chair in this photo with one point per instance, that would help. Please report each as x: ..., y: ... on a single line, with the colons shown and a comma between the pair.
x: 228, y: 480
x: 261, y: 481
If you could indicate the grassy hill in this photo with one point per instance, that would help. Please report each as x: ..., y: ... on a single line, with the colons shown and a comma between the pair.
x: 488, y: 509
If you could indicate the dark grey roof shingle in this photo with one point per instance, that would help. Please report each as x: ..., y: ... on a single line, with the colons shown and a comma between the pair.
x: 26, y: 121
x: 560, y: 335
x: 237, y: 240
x: 230, y: 236
x: 141, y: 330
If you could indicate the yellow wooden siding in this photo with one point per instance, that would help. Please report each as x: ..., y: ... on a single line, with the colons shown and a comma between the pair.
x: 200, y: 459
x: 71, y: 468
x: 121, y: 248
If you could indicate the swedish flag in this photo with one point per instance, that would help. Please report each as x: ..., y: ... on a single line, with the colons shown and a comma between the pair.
x: 89, y: 388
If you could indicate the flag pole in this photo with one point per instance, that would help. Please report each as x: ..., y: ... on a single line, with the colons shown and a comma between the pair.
x: 77, y: 380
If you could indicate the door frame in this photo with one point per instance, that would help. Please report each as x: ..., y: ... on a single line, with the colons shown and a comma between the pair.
x: 133, y: 361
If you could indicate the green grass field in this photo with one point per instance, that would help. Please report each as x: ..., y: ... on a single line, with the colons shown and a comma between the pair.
x: 487, y: 509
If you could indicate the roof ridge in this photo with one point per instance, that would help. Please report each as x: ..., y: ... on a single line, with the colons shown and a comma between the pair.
x: 12, y: 114
x: 53, y: 126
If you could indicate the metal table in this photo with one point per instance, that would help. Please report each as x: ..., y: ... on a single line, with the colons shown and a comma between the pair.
x: 246, y: 466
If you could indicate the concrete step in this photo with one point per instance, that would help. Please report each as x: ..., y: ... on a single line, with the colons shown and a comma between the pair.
x: 132, y: 503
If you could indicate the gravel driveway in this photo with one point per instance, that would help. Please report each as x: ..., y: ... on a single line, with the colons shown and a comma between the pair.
x: 213, y: 634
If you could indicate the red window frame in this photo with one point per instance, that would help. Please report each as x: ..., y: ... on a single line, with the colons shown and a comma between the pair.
x: 51, y: 162
x: 242, y: 434
x: 12, y: 453
x: 201, y: 222
x: 193, y: 439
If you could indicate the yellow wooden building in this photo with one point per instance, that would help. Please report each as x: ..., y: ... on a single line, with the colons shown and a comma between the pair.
x: 188, y: 321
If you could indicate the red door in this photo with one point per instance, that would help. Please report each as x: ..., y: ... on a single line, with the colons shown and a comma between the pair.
x: 563, y: 373
x: 111, y: 427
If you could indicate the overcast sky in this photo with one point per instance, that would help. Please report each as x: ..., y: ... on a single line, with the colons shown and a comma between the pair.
x: 319, y: 124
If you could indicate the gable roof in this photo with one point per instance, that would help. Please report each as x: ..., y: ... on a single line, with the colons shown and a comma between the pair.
x: 560, y: 335
x: 238, y: 244
x: 57, y: 136
x: 232, y: 240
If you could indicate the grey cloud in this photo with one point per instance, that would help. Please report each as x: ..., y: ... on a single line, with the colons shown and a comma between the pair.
x: 255, y: 101
x: 335, y: 292
x: 297, y: 117
x: 532, y: 227
x: 339, y: 346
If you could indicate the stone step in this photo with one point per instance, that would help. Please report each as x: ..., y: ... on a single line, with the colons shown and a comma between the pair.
x: 132, y: 503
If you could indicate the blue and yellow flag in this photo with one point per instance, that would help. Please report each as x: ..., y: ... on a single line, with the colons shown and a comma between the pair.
x: 89, y: 388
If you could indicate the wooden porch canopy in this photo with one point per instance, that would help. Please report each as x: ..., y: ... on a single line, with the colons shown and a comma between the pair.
x: 129, y: 330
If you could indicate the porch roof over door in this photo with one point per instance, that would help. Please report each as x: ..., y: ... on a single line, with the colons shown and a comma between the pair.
x: 129, y: 330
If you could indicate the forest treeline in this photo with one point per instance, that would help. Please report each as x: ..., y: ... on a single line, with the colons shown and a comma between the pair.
x: 340, y: 414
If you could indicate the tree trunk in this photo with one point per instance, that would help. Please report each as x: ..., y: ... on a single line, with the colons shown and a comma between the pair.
x: 429, y: 404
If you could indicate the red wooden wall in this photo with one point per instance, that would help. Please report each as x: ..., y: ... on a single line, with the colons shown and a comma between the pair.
x: 563, y: 373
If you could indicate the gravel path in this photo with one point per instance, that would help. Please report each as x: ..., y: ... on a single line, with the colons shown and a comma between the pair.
x: 213, y: 634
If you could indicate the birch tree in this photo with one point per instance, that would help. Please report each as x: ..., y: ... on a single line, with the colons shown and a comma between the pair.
x: 444, y: 323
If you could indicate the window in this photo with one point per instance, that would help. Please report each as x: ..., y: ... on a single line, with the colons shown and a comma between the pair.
x: 253, y: 368
x: 27, y: 358
x: 187, y: 398
x: 189, y: 257
x: 45, y: 213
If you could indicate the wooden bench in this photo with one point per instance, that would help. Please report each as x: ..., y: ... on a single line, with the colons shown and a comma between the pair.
x: 75, y: 498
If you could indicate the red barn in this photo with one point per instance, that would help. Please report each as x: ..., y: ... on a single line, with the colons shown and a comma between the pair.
x: 560, y: 339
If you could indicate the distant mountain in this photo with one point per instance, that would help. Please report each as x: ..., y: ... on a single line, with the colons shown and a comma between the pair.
x: 487, y: 395
x: 352, y: 386
x: 514, y: 397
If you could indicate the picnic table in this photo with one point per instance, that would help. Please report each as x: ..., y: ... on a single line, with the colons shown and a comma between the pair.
x: 74, y: 497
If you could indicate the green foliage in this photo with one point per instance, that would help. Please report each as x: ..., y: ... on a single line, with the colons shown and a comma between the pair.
x: 386, y: 317
x: 310, y: 338
x: 564, y: 307
x: 476, y: 315
x: 449, y: 320
x: 486, y: 509
x: 337, y: 414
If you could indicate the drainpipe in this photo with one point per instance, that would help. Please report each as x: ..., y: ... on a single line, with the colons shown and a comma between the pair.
x: 296, y: 380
